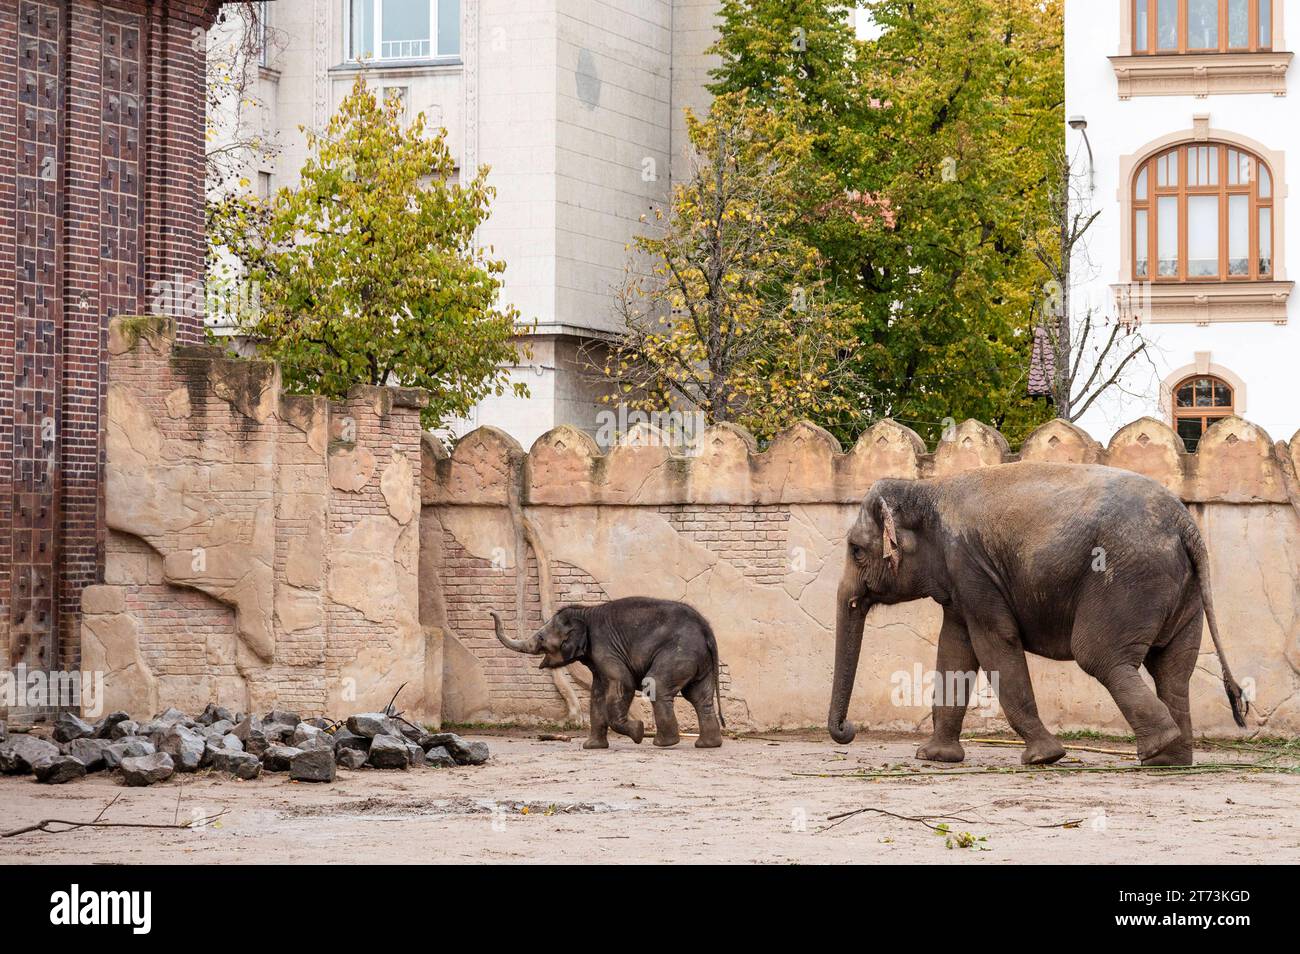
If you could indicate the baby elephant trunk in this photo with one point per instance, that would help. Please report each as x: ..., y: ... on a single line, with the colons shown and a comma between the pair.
x: 529, y: 646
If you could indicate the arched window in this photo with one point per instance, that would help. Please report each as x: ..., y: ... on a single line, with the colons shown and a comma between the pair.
x: 1202, y: 26
x: 1202, y: 212
x: 1198, y: 402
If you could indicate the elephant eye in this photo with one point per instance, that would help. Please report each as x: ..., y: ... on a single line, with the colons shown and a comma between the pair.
x: 857, y: 551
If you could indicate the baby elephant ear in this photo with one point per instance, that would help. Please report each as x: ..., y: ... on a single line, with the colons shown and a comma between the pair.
x: 576, y: 641
x: 889, y: 535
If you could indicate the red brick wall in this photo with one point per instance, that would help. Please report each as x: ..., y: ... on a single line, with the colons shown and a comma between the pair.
x: 101, y: 198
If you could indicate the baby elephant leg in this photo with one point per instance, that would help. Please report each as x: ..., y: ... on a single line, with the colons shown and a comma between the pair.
x: 666, y: 732
x: 598, y: 733
x: 619, y: 699
x: 702, y: 694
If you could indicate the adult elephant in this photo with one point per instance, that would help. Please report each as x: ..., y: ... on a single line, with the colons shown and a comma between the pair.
x: 1067, y: 561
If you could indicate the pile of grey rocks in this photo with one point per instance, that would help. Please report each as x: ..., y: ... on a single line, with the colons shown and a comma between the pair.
x: 245, y: 746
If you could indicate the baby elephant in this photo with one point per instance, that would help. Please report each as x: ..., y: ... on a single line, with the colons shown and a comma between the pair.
x: 659, y: 646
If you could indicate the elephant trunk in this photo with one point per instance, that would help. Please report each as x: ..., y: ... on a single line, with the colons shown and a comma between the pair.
x: 850, y: 618
x: 518, y: 645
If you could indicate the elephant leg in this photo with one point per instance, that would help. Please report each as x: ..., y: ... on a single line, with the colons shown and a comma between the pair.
x: 598, y: 734
x: 1150, y: 719
x: 618, y: 697
x: 1115, y: 666
x: 1002, y: 656
x: 956, y: 670
x: 702, y: 695
x: 666, y: 731
x: 1171, y: 667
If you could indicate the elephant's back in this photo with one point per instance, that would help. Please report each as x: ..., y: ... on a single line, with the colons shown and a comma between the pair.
x: 1055, y: 532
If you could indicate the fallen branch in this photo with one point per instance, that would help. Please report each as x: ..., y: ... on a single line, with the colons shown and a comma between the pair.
x: 1207, y: 768
x: 1068, y: 748
x: 925, y: 820
x: 44, y: 824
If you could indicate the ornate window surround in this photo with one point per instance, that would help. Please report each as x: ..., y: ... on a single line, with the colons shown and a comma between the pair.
x: 1202, y: 365
x: 1203, y: 302
x: 1199, y: 74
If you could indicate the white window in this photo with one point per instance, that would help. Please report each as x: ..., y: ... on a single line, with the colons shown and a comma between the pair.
x: 403, y: 29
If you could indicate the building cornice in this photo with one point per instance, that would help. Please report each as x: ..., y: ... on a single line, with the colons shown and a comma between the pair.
x: 1201, y: 74
x: 1203, y: 303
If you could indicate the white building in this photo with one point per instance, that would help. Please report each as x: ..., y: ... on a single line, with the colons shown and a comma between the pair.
x: 1191, y: 127
x: 575, y: 104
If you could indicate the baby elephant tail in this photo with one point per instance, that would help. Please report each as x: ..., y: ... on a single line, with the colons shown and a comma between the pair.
x: 1200, y: 559
x: 717, y: 671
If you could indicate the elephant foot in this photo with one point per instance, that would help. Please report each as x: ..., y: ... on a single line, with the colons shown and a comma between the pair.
x: 1165, y: 748
x: 941, y: 750
x: 709, y: 742
x: 634, y: 729
x: 1174, y: 755
x: 1043, y: 751
x: 665, y: 741
x: 596, y: 744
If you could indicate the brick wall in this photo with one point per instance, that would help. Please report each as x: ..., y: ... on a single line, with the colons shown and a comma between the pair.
x: 101, y: 197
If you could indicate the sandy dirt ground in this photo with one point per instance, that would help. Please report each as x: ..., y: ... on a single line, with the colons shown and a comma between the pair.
x: 764, y: 800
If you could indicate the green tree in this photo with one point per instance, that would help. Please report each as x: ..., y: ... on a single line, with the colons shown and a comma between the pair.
x: 368, y: 273
x: 949, y: 118
x: 725, y: 309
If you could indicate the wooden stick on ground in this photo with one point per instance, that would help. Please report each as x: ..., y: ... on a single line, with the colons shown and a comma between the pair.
x: 44, y: 823
x: 1068, y: 748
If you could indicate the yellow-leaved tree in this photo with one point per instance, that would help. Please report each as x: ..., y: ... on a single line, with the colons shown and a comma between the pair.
x: 725, y: 311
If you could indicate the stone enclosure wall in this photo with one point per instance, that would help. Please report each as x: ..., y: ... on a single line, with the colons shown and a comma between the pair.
x: 266, y: 550
x: 755, y: 541
x: 262, y: 547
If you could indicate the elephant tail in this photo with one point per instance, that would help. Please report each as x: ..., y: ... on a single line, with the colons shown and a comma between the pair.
x: 717, y: 669
x: 1195, y: 546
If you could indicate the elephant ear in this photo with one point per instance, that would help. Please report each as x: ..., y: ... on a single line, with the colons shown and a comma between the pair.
x: 576, y: 639
x: 888, y: 534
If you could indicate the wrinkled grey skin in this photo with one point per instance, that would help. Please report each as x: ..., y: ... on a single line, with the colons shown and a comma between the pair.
x: 660, y: 647
x: 1011, y: 554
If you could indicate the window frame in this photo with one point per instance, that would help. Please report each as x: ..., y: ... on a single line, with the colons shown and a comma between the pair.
x: 1181, y: 191
x: 1207, y: 416
x: 1149, y: 46
x: 378, y: 5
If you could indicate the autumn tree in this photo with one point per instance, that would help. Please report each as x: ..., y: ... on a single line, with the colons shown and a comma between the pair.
x: 949, y: 117
x: 726, y: 312
x: 368, y: 270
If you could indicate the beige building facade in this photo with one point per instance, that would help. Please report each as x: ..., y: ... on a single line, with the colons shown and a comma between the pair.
x: 576, y: 105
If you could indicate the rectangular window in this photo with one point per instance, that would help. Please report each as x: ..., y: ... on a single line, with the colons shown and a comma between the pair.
x: 1266, y: 241
x: 1265, y: 183
x: 1167, y: 169
x: 1167, y: 232
x: 1265, y: 24
x: 403, y: 29
x: 362, y: 30
x: 1239, y: 24
x: 1202, y: 236
x: 406, y: 31
x: 1141, y: 25
x: 1238, y: 235
x: 1202, y: 24
x: 263, y: 11
x: 1167, y: 24
x: 1141, y: 245
x: 448, y: 27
